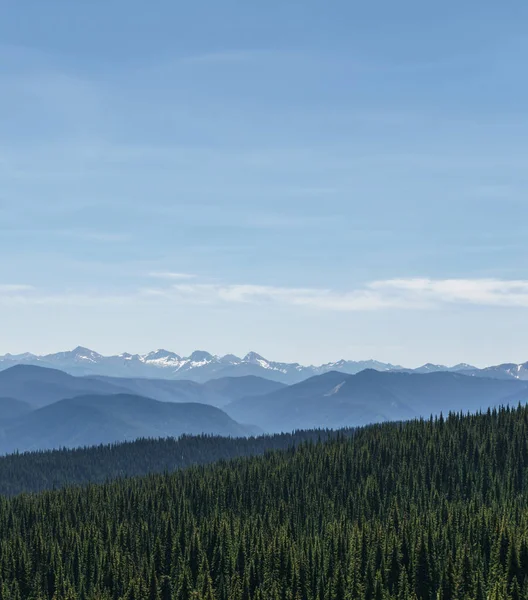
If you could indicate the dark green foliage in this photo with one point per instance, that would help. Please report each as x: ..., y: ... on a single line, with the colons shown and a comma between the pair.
x: 433, y: 509
x: 52, y: 469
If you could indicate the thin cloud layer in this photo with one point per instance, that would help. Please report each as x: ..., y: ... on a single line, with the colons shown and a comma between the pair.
x: 402, y: 294
x: 489, y: 292
x: 411, y: 293
x: 9, y: 288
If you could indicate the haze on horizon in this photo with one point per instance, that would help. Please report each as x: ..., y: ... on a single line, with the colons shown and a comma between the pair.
x: 311, y: 184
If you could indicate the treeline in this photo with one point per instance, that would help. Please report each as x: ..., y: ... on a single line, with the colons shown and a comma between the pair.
x: 44, y: 470
x: 428, y: 510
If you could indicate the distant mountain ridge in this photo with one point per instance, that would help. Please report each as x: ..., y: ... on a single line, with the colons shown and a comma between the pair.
x: 42, y: 408
x: 40, y: 386
x: 201, y: 366
x: 99, y: 419
x: 48, y: 408
x: 335, y: 400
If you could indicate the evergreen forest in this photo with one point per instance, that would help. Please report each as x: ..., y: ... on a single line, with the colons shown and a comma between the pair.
x: 52, y: 469
x: 426, y: 510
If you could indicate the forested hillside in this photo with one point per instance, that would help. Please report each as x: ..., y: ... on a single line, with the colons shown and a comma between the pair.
x: 51, y: 469
x: 430, y: 509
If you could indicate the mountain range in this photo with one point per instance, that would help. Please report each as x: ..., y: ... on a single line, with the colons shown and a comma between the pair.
x: 40, y: 386
x: 335, y: 400
x: 99, y: 419
x: 202, y: 366
x: 42, y: 408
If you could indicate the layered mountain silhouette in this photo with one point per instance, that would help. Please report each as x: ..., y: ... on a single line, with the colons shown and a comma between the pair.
x: 97, y: 419
x: 217, y: 392
x: 44, y: 408
x: 39, y: 386
x: 201, y: 366
x: 338, y: 400
x: 11, y: 408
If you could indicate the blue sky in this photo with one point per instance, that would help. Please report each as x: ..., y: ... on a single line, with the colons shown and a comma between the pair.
x: 306, y: 180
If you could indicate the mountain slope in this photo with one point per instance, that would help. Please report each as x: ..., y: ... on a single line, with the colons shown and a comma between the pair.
x: 97, y: 419
x: 504, y: 371
x: 40, y: 386
x: 339, y: 400
x: 37, y: 471
x: 233, y: 388
x: 11, y: 408
x: 431, y: 368
x: 217, y: 392
x: 331, y: 400
x: 419, y: 511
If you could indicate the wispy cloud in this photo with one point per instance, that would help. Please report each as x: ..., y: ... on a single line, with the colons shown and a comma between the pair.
x: 402, y: 294
x: 260, y: 294
x: 9, y: 288
x: 21, y: 295
x: 410, y: 293
x: 484, y: 292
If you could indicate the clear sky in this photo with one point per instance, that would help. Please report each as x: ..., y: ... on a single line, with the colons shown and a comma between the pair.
x: 309, y: 180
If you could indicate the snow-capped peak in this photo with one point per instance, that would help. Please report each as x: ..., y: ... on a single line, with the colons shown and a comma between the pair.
x: 161, y: 353
x: 254, y: 358
x: 202, y: 366
x: 201, y: 356
x: 432, y: 367
x: 82, y: 351
x: 230, y: 359
x: 79, y: 354
x: 161, y: 358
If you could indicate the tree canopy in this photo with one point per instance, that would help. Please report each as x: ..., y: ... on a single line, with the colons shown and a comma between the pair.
x: 427, y: 510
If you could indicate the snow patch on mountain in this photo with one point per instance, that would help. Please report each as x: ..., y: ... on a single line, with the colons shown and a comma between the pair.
x: 202, y: 366
x: 336, y: 389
